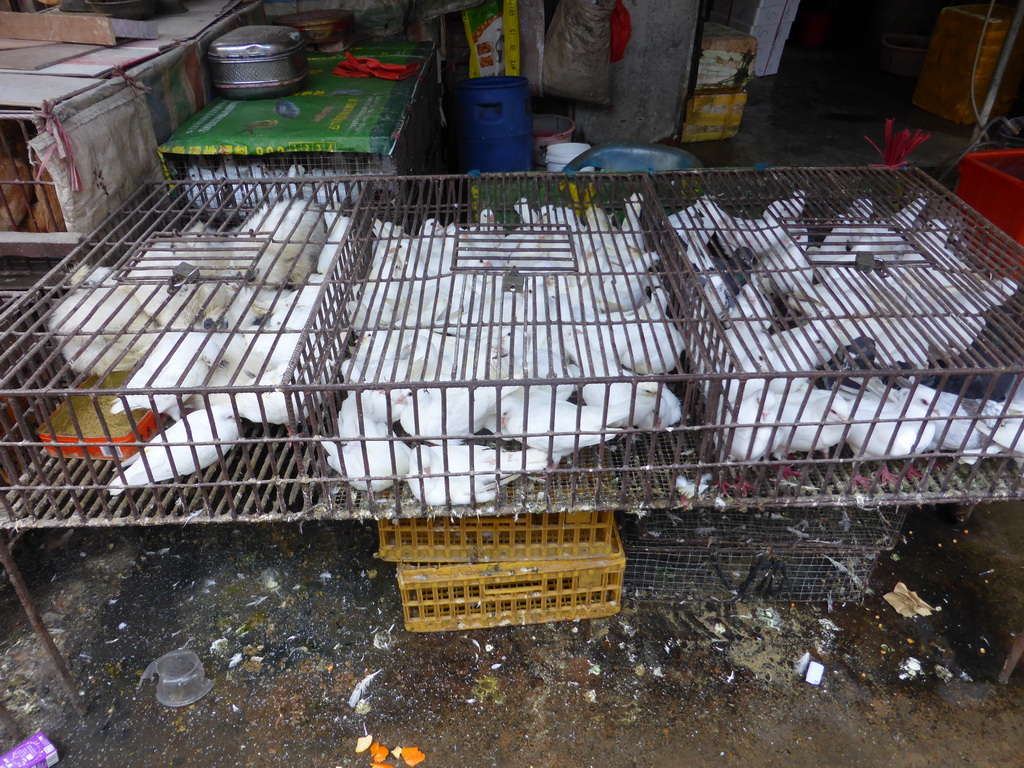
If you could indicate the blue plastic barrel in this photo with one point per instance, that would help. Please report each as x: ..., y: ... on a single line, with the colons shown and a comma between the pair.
x: 495, y: 125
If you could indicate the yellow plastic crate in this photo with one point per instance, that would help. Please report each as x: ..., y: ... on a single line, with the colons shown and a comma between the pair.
x: 713, y: 116
x: 458, y: 596
x: 491, y: 539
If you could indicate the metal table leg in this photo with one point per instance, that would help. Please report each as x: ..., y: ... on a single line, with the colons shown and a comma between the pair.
x: 37, y: 623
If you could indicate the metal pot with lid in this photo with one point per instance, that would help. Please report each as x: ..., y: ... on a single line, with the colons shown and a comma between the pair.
x: 258, y: 62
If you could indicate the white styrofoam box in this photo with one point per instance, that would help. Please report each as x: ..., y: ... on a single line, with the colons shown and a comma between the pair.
x: 754, y: 13
x: 771, y: 40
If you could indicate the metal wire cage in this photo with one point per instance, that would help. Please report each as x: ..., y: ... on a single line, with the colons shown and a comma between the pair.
x: 391, y: 346
x: 747, y: 572
x: 162, y: 350
x: 858, y: 335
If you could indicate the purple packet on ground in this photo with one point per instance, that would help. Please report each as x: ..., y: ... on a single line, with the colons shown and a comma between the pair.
x: 35, y: 752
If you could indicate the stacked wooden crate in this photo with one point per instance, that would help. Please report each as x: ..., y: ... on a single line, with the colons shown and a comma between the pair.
x: 726, y: 66
x: 476, y: 572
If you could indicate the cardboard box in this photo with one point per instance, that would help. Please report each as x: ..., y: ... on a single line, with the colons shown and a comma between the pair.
x: 713, y: 116
x: 755, y: 13
x: 944, y: 86
x: 771, y: 41
x: 727, y: 58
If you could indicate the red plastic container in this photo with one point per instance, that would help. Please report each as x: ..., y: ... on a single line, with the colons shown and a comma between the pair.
x: 992, y: 183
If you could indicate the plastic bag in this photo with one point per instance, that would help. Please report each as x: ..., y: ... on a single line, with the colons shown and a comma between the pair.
x: 577, y: 50
x: 492, y: 31
x: 622, y: 30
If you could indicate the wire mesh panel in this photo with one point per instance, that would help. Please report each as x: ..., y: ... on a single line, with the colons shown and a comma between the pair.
x: 766, y: 556
x: 414, y: 346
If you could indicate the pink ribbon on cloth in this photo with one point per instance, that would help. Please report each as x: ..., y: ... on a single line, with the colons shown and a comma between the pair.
x: 48, y: 122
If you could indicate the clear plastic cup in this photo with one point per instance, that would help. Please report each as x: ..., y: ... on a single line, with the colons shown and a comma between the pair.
x: 181, y: 679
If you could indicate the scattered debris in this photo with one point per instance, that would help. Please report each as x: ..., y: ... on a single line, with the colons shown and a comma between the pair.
x: 802, y: 663
x: 360, y: 689
x: 379, y: 753
x: 910, y: 668
x: 907, y: 603
x: 815, y: 672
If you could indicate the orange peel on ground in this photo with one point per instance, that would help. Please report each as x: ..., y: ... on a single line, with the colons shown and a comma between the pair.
x: 379, y: 752
x: 412, y: 756
x: 363, y: 743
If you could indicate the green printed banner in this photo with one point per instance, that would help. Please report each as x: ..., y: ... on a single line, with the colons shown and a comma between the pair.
x: 331, y: 113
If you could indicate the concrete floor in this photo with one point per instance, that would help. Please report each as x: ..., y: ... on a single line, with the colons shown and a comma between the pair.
x: 817, y: 111
x: 288, y: 619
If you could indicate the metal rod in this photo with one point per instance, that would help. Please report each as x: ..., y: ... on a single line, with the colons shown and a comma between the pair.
x: 997, y: 75
x: 37, y: 624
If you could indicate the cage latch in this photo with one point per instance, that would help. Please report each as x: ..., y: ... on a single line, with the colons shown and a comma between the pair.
x: 513, y: 281
x: 182, y: 273
x: 867, y: 262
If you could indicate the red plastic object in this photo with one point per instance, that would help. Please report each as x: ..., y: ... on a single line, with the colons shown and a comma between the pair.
x: 622, y: 30
x: 350, y: 66
x: 992, y: 183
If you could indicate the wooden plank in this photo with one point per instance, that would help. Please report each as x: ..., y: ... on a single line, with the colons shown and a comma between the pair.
x: 73, y: 28
x: 38, y: 243
x: 10, y: 44
x: 37, y: 58
x: 31, y: 90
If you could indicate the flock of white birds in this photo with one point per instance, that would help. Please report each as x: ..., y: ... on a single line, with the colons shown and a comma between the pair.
x: 566, y: 301
x: 796, y: 303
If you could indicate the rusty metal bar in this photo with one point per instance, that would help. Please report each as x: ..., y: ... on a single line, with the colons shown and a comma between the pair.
x: 63, y: 673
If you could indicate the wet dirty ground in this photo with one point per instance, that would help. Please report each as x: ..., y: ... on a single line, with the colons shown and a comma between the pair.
x: 288, y: 619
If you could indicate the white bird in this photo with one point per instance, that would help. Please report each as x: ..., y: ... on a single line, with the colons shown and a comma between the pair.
x: 371, y: 456
x: 433, y: 414
x: 459, y: 474
x: 552, y: 425
x: 891, y: 423
x: 295, y: 233
x: 189, y: 445
x: 179, y: 360
x: 810, y: 420
x: 257, y: 406
x: 668, y: 413
x: 338, y: 225
x: 100, y: 328
x: 956, y: 420
x: 622, y: 404
x: 747, y: 436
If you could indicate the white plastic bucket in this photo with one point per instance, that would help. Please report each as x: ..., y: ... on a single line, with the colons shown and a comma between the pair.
x: 560, y: 154
x: 548, y: 130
